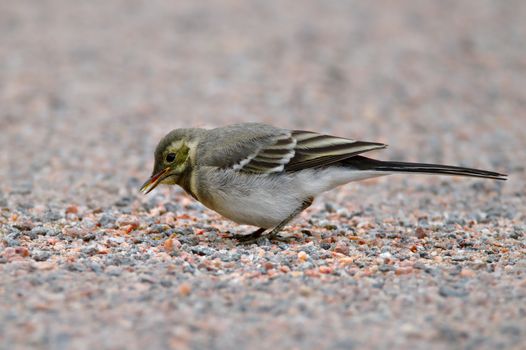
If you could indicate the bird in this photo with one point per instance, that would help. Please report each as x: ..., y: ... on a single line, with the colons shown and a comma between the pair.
x: 264, y: 176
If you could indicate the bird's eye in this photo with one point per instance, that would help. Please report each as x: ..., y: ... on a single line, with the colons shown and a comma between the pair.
x: 170, y: 157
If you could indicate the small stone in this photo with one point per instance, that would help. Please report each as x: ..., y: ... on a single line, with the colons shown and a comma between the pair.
x: 72, y: 209
x: 172, y: 208
x: 325, y: 269
x: 185, y: 289
x: 190, y: 240
x: 24, y: 225
x: 342, y: 248
x: 302, y: 256
x: 329, y: 207
x: 386, y: 255
x: 74, y: 232
x: 158, y: 228
x: 52, y: 215
x: 52, y: 232
x: 90, y: 250
x: 14, y: 233
x: 166, y: 283
x: 88, y: 237
x: 40, y: 255
x: 420, y: 233
x: 106, y: 220
x: 284, y: 269
x: 385, y: 268
x: 168, y: 245
x: 39, y: 231
x: 10, y: 242
x: 128, y: 221
x: 202, y: 250
x: 268, y: 265
x: 172, y: 244
x: 346, y: 261
x: 22, y: 251
x: 325, y: 245
x: 124, y: 201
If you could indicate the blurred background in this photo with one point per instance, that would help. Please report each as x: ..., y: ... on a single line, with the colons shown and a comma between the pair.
x: 88, y: 88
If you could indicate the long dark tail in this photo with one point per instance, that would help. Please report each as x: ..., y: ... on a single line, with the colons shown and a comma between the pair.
x: 364, y: 163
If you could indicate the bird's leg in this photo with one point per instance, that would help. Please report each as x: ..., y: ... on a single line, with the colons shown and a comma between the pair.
x: 274, y: 234
x: 251, y: 237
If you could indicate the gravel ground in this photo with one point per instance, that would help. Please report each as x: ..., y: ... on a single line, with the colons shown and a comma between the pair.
x: 88, y: 88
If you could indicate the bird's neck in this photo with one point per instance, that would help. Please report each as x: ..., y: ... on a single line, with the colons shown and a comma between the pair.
x: 184, y: 182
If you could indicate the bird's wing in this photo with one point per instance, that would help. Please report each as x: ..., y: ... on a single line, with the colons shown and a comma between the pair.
x: 248, y: 147
x: 272, y: 157
x: 315, y: 150
x: 296, y: 150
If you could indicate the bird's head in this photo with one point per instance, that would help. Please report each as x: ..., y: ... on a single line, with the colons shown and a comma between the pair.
x: 172, y: 159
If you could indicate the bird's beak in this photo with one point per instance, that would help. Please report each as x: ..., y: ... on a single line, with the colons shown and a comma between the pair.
x: 153, y: 181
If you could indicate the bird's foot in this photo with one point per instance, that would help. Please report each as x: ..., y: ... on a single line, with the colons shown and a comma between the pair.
x: 275, y: 236
x: 255, y: 236
x: 249, y: 238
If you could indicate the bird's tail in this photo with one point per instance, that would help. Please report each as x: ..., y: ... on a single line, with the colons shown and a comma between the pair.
x: 364, y: 163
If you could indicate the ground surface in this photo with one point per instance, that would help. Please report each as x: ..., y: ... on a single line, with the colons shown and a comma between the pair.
x: 88, y: 88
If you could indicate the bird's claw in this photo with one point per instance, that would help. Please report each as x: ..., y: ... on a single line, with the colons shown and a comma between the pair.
x: 254, y: 237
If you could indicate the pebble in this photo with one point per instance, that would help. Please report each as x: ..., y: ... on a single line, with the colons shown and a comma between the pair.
x: 39, y: 231
x: 386, y: 255
x: 72, y: 209
x: 420, y: 233
x: 107, y: 220
x: 302, y: 256
x: 74, y: 232
x: 342, y: 248
x: 185, y: 289
x: 40, y: 255
x: 202, y: 250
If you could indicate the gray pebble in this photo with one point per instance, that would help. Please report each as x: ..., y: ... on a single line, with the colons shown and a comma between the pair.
x: 40, y: 255
x: 107, y: 220
x: 386, y: 268
x: 39, y: 231
x: 52, y: 215
x: 202, y: 250
x: 90, y: 250
x: 189, y: 240
x: 11, y: 242
x: 171, y: 207
x: 124, y: 201
x: 13, y: 233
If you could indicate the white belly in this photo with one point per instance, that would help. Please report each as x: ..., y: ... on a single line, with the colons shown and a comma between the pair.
x: 266, y: 200
x: 264, y: 205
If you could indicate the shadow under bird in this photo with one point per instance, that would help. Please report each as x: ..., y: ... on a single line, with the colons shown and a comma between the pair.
x: 260, y: 175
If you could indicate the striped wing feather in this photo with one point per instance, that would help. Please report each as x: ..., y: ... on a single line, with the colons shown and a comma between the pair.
x: 301, y: 150
x: 271, y: 158
x: 314, y: 150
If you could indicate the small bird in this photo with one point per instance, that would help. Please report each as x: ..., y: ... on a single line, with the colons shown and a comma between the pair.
x: 260, y: 175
